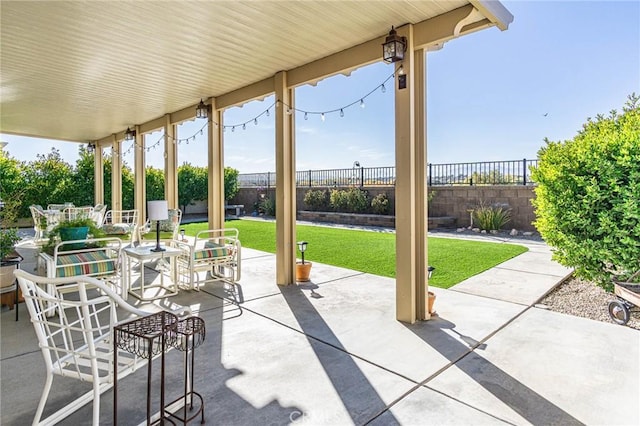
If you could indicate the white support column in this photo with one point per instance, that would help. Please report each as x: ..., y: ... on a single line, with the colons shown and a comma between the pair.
x: 98, y: 173
x: 215, y: 199
x: 170, y: 164
x: 116, y: 174
x: 140, y: 190
x: 420, y: 162
x: 285, y: 184
x: 410, y: 197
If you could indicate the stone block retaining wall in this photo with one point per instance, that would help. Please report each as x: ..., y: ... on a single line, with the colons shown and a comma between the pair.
x: 456, y: 201
x: 451, y: 202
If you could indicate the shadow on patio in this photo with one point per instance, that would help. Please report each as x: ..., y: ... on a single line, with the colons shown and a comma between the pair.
x: 331, y: 352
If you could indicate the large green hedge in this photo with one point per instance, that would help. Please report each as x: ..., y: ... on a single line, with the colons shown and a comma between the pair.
x: 588, y: 196
x: 50, y: 179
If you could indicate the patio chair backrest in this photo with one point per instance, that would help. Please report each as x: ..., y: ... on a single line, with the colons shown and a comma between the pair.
x: 168, y: 227
x: 75, y: 342
x: 59, y: 206
x: 99, y: 212
x: 121, y: 223
x: 71, y: 213
x: 41, y: 222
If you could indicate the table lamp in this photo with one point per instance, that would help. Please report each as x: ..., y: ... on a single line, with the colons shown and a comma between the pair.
x: 158, y: 210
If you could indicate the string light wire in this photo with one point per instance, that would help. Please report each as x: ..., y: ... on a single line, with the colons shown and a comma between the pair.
x: 267, y: 112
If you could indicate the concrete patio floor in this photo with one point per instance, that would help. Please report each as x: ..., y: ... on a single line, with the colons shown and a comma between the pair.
x: 330, y: 352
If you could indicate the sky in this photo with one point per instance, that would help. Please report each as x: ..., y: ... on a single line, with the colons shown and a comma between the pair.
x: 491, y: 95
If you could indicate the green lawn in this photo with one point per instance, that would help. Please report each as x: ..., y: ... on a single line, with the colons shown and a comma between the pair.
x: 374, y: 252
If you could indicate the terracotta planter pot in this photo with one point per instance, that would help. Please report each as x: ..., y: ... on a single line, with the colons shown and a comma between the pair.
x: 432, y: 299
x: 7, y: 279
x: 303, y: 271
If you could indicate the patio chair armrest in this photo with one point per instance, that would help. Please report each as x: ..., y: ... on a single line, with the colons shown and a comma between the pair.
x: 188, y: 248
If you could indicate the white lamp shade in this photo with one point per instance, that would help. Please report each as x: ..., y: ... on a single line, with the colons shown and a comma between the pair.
x: 158, y: 210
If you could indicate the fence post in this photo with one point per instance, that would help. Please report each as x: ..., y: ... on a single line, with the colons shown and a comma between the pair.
x: 268, y: 180
x: 361, y: 177
x: 309, y: 178
x: 524, y: 171
x: 430, y: 175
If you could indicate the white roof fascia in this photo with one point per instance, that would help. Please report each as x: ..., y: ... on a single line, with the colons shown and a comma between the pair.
x: 494, y: 11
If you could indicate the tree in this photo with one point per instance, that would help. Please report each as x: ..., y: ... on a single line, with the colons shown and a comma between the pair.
x: 49, y: 179
x: 588, y: 196
x: 128, y: 184
x: 230, y: 183
x: 192, y: 185
x: 12, y: 181
x: 154, y: 181
x: 84, y: 179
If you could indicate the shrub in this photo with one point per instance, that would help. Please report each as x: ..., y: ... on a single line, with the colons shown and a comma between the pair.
x: 380, y: 204
x: 268, y: 206
x: 338, y: 200
x: 316, y: 199
x: 491, y: 217
x: 588, y: 196
x: 357, y: 200
x: 430, y: 194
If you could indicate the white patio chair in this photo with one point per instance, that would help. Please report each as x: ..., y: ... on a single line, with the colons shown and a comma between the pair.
x: 215, y: 251
x: 99, y: 258
x: 76, y: 343
x: 71, y: 213
x: 59, y: 206
x: 168, y: 228
x: 43, y: 221
x: 99, y: 212
x: 121, y: 223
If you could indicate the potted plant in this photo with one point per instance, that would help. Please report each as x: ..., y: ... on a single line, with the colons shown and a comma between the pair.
x: 79, y: 228
x: 303, y: 269
x: 8, y: 239
x: 8, y: 231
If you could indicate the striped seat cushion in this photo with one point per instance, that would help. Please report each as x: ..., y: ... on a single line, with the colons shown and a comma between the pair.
x: 212, y: 250
x: 89, y: 263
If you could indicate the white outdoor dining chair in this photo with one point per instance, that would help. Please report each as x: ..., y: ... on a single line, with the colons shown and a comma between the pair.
x: 121, y: 223
x: 43, y: 221
x: 168, y: 228
x: 98, y: 213
x: 74, y: 321
x: 71, y: 213
x: 60, y: 207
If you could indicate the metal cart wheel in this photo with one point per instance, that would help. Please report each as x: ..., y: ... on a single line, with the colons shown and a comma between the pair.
x: 619, y: 312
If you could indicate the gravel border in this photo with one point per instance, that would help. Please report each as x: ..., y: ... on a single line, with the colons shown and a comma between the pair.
x: 583, y: 299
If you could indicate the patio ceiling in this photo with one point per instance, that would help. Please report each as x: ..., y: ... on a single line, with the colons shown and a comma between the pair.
x: 81, y: 71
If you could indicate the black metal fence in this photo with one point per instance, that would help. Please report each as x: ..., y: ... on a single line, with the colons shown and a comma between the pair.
x: 516, y: 172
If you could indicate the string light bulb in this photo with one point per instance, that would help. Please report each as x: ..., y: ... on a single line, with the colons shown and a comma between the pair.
x: 322, y: 116
x: 383, y: 89
x: 341, y: 112
x: 362, y: 103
